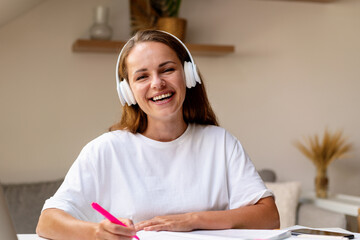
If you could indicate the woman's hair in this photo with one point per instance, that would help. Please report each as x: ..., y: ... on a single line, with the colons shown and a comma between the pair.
x: 196, y: 106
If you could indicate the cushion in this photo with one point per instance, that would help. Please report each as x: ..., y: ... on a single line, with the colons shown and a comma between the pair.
x: 25, y: 202
x: 286, y: 199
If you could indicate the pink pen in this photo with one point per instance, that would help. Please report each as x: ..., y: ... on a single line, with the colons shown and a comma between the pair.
x: 111, y: 218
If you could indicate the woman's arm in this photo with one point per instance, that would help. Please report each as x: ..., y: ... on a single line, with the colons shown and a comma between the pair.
x: 262, y: 215
x: 57, y: 224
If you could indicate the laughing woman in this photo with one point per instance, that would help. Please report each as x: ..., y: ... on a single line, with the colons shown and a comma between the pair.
x: 166, y: 165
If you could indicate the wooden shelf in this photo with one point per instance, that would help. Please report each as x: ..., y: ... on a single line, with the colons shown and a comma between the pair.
x: 104, y: 46
x: 321, y: 1
x: 316, y: 1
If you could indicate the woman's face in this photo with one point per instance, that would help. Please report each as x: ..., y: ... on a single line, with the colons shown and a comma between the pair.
x: 157, y: 80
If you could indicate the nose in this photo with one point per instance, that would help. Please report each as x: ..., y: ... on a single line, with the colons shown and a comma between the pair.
x: 157, y: 82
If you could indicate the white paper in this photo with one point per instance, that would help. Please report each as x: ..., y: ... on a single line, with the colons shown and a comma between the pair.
x: 215, y: 235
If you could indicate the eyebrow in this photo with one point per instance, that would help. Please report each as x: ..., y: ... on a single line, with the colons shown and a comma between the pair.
x: 163, y: 64
x: 160, y: 65
x: 140, y: 70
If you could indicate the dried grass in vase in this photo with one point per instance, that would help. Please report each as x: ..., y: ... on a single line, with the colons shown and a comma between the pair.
x: 333, y: 146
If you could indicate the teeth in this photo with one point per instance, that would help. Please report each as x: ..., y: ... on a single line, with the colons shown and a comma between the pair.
x: 161, y: 96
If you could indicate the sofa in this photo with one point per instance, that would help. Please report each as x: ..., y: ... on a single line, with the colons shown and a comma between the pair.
x: 26, y: 200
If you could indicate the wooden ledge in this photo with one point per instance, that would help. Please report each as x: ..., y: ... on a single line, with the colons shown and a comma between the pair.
x: 105, y: 46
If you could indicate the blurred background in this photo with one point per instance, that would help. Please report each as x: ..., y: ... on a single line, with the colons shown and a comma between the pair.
x: 294, y: 72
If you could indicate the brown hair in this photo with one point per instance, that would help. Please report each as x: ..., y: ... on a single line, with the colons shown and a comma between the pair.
x: 196, y: 106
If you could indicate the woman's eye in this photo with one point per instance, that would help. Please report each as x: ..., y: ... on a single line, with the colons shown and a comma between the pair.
x: 169, y: 70
x: 141, y: 77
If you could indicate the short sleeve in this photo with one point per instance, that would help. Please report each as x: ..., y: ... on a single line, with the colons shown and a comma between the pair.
x: 78, y: 189
x: 245, y: 184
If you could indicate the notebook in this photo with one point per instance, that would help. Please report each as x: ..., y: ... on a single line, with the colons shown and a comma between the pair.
x: 230, y: 234
x: 7, y: 230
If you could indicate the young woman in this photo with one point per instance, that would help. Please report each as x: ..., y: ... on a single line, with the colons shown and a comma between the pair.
x: 166, y: 165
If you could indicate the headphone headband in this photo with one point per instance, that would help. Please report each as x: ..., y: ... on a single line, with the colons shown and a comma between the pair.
x: 187, y: 50
x: 118, y: 61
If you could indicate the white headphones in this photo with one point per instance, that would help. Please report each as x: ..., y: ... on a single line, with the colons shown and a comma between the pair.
x: 123, y: 88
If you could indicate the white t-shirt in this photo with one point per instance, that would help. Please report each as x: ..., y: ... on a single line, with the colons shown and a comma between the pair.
x: 138, y: 178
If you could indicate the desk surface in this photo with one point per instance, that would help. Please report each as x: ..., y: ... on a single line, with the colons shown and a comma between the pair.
x: 29, y: 237
x: 189, y: 236
x: 346, y: 204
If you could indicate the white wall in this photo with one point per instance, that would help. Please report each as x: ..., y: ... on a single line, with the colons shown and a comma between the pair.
x: 295, y: 71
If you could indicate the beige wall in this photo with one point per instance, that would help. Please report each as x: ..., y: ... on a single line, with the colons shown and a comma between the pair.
x: 295, y: 71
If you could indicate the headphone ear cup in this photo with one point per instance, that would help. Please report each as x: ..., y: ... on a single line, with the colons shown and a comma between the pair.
x: 196, y: 74
x: 189, y: 75
x: 127, y: 93
x: 118, y: 88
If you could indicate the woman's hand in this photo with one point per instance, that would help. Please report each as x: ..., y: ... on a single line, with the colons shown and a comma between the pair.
x: 57, y: 224
x: 178, y: 223
x: 262, y: 215
x: 108, y: 230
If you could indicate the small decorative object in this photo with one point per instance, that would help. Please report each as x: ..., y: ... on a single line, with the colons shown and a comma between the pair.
x: 100, y: 30
x: 175, y: 26
x: 333, y: 146
x: 168, y: 20
x: 142, y: 15
x: 157, y: 14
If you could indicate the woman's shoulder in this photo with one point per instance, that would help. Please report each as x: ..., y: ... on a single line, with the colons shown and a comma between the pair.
x: 210, y: 129
x: 109, y: 139
x: 214, y: 131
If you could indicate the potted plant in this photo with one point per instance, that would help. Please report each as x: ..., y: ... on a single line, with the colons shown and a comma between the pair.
x: 157, y: 14
x: 333, y: 146
x: 168, y: 17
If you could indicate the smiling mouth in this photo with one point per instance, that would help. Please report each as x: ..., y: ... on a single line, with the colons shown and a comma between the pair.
x: 162, y: 97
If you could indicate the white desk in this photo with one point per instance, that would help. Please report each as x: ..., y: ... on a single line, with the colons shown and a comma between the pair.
x: 217, y: 235
x: 29, y: 237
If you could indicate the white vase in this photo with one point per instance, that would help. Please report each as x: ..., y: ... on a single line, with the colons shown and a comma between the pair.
x: 101, y: 30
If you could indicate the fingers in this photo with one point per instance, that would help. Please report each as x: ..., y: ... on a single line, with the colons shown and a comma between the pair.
x: 149, y: 225
x: 163, y: 226
x: 112, y: 231
x: 119, y: 230
x: 109, y: 236
x: 127, y: 222
x: 182, y: 222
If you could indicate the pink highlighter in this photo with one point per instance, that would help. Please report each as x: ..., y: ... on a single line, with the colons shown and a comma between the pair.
x: 110, y: 217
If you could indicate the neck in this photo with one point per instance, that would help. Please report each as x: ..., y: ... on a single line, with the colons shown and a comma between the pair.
x: 165, y: 131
